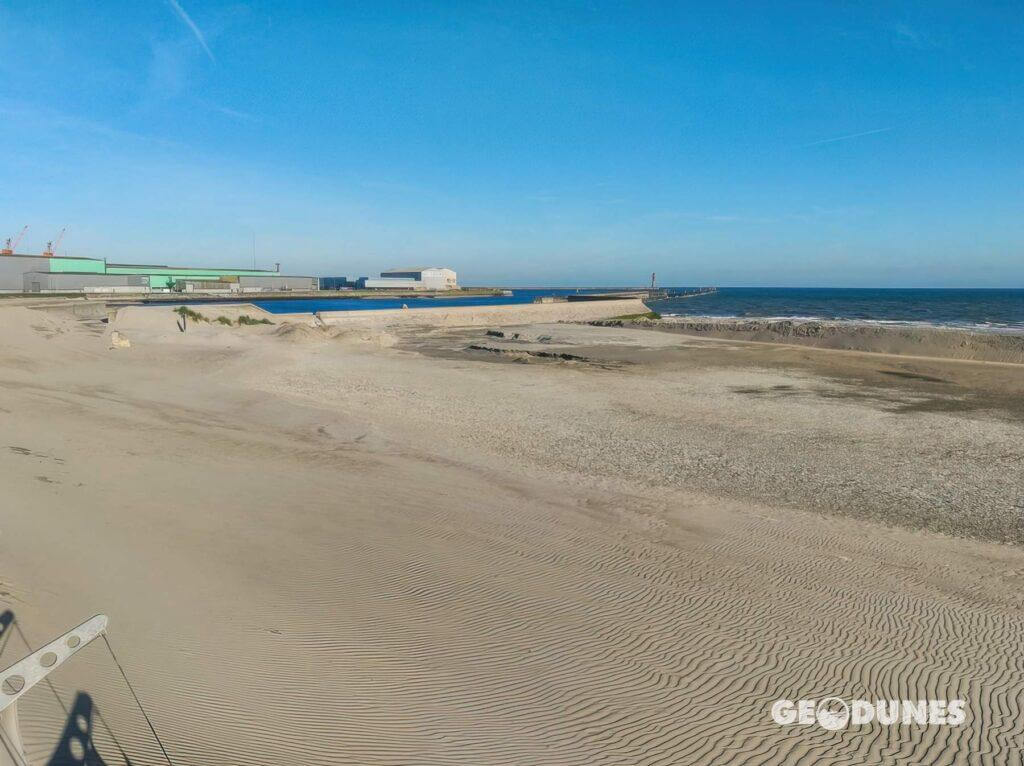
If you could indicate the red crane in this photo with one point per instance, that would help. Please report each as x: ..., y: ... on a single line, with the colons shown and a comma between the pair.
x: 12, y: 243
x: 48, y: 252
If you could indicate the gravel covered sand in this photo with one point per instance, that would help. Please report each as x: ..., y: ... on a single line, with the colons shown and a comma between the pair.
x: 905, y: 339
x: 581, y: 545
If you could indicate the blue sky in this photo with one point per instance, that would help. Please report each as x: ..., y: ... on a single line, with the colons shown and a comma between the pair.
x: 523, y: 143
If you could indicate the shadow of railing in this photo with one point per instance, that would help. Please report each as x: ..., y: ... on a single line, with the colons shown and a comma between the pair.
x: 76, y: 746
x: 6, y: 628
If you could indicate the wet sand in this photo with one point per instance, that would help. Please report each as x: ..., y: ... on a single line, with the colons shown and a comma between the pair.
x: 579, y: 546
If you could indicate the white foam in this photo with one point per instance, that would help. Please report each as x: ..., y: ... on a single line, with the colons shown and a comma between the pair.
x: 988, y: 327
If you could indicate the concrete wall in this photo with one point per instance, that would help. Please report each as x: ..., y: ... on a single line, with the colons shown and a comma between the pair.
x: 470, y: 316
x: 40, y: 281
x: 13, y: 268
x: 391, y: 284
x: 278, y: 282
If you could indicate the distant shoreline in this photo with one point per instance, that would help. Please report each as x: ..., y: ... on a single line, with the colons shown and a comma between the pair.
x: 1002, y: 329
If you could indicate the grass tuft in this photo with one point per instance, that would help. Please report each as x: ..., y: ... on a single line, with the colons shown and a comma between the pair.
x: 186, y: 313
x: 245, y: 319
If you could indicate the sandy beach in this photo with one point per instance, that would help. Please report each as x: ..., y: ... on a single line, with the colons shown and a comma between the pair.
x: 515, y: 544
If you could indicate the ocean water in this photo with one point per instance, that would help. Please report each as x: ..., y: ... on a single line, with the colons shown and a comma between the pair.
x: 979, y: 309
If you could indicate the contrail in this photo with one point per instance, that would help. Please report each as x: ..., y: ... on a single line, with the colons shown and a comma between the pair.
x: 192, y: 25
x: 843, y: 138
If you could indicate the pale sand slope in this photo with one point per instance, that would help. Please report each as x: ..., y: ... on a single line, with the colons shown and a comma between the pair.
x: 338, y: 552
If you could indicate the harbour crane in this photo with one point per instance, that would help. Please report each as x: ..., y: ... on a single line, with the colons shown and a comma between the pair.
x: 12, y: 242
x: 48, y: 252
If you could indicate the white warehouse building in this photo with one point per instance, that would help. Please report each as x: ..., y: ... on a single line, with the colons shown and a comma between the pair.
x: 420, y: 278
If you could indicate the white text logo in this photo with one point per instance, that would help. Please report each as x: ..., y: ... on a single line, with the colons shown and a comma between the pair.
x: 835, y: 713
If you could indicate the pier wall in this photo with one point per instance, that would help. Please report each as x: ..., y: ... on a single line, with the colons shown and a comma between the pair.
x: 470, y: 316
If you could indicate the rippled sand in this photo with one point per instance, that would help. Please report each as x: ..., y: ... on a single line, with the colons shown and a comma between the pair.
x: 576, y: 546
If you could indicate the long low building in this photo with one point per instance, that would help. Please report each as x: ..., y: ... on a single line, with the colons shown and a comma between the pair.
x: 428, y: 277
x: 369, y: 283
x: 36, y: 273
x: 82, y: 281
x: 412, y: 278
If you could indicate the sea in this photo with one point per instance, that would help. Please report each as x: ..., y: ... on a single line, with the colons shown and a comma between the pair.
x: 979, y: 309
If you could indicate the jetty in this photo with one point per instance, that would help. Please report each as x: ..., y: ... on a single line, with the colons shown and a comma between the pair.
x: 644, y: 294
x: 662, y: 293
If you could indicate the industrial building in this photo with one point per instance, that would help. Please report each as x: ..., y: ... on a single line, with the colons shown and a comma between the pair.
x: 50, y: 273
x: 413, y: 278
x: 42, y: 273
x: 337, y: 283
